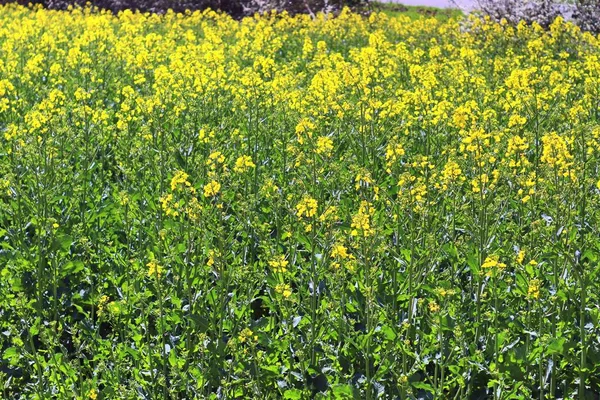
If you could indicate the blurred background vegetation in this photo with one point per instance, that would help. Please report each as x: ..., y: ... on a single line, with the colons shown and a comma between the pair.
x: 584, y: 13
x: 236, y: 8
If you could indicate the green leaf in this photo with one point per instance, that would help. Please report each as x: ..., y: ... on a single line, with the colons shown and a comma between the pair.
x: 35, y: 327
x: 172, y: 358
x: 589, y: 256
x: 292, y: 394
x: 529, y: 269
x: 473, y: 263
x: 522, y: 284
x: 556, y: 346
x: 179, y: 158
x: 423, y: 386
x: 63, y: 242
x: 388, y: 332
x: 343, y: 392
x: 72, y: 267
x: 10, y: 353
x: 406, y: 254
x: 271, y: 368
x: 451, y: 250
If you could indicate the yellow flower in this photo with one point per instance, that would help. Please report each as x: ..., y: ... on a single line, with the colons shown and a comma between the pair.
x: 492, y: 265
x: 479, y: 184
x: 101, y: 303
x: 516, y: 120
x: 180, y: 178
x: 246, y: 335
x: 307, y: 207
x: 330, y: 214
x: 169, y: 206
x: 269, y: 189
x: 392, y: 153
x: 243, y: 164
x: 11, y: 132
x: 123, y: 198
x: 324, y: 145
x: 304, y: 128
x: 215, y: 159
x: 520, y: 256
x: 451, y: 171
x: 279, y: 264
x: 92, y: 394
x: 445, y: 292
x: 433, y: 306
x: 211, y: 189
x: 361, y: 221
x: 154, y: 269
x: 211, y: 258
x: 339, y: 250
x: 363, y: 179
x: 5, y: 186
x: 555, y: 153
x: 283, y: 289
x: 533, y: 291
x: 114, y: 307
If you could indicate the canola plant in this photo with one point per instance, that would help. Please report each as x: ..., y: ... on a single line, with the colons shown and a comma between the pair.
x: 284, y: 207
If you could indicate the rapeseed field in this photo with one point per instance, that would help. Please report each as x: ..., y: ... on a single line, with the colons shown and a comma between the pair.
x: 284, y: 207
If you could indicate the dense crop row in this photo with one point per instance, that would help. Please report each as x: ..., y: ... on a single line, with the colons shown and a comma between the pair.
x: 195, y: 207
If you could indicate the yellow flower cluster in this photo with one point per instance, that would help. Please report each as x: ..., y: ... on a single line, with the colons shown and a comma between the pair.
x: 212, y: 188
x: 154, y: 269
x: 451, y: 175
x: 393, y: 153
x: 533, y: 291
x: 279, y: 264
x: 243, y: 164
x: 324, y: 145
x: 283, y: 289
x: 180, y: 179
x: 555, y: 153
x: 492, y: 266
x: 307, y: 207
x: 361, y: 221
x: 215, y: 160
x: 169, y: 206
x: 247, y: 336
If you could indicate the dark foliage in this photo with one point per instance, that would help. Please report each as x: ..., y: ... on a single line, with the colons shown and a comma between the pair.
x: 587, y: 15
x: 236, y: 8
x: 542, y: 12
x: 584, y: 13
